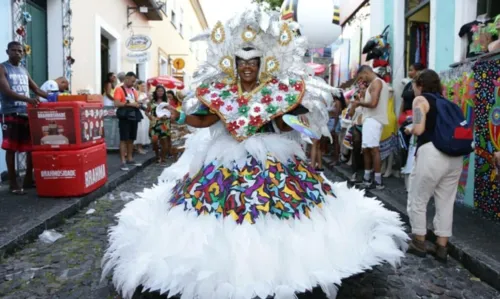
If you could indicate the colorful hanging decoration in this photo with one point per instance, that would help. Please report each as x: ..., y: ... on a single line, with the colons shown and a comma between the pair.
x: 20, y: 17
x: 458, y: 87
x: 67, y: 40
x: 378, y: 49
x: 487, y: 103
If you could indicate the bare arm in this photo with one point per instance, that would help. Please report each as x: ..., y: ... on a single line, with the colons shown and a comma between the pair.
x: 420, y: 110
x: 5, y: 88
x: 37, y: 89
x: 375, y: 90
x: 107, y: 90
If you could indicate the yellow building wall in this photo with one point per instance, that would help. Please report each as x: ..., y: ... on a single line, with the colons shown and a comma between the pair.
x: 88, y: 17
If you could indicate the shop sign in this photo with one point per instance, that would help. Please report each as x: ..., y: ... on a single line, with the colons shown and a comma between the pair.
x: 138, y: 43
x: 138, y: 57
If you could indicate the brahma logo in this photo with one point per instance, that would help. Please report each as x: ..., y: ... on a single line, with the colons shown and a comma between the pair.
x: 95, y: 175
x: 58, y: 174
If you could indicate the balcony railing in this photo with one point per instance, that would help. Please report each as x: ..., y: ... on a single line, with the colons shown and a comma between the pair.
x: 155, y: 8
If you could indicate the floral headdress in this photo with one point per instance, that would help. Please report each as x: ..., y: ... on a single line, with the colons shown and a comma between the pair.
x: 275, y: 42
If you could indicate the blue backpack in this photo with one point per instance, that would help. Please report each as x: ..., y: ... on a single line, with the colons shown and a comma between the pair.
x: 452, y: 135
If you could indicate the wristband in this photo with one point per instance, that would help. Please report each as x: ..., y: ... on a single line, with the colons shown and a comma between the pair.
x: 182, y: 118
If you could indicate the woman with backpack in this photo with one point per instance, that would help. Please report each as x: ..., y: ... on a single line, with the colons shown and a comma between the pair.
x: 442, y: 137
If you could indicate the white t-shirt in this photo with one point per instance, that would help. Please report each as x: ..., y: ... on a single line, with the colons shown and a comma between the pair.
x: 49, y: 86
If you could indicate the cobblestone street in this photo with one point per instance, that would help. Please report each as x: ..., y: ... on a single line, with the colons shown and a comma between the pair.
x: 70, y: 267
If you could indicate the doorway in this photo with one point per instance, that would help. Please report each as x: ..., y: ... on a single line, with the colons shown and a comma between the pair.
x: 417, y: 17
x: 104, y: 60
x: 36, y: 38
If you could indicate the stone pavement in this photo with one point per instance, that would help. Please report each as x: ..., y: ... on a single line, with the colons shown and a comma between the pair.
x: 70, y: 267
x: 23, y: 218
x: 475, y: 242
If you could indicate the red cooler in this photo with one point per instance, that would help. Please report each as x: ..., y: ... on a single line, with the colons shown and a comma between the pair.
x: 70, y: 173
x: 66, y: 125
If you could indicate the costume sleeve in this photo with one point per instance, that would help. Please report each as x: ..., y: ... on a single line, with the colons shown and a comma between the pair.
x: 202, y: 110
x: 299, y: 110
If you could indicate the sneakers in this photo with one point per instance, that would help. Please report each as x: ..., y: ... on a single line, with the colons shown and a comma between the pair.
x: 133, y: 163
x: 379, y: 186
x: 124, y: 167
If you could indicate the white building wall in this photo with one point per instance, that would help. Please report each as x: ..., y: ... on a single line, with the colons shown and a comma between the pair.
x: 55, y: 39
x: 377, y: 17
x: 398, y: 48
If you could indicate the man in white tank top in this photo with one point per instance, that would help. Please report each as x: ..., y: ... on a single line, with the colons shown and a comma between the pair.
x: 374, y: 119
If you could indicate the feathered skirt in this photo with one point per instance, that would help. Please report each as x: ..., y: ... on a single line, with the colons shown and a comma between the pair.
x: 248, y: 220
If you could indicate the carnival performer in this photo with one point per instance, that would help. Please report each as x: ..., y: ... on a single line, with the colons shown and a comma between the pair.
x: 244, y: 215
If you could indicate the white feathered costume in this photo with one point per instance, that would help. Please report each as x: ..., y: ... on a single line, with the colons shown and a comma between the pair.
x: 241, y: 214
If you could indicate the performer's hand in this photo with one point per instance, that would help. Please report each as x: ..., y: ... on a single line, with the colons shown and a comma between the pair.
x: 304, y: 120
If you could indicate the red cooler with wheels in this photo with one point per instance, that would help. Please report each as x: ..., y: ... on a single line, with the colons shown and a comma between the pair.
x: 70, y: 173
x: 66, y: 125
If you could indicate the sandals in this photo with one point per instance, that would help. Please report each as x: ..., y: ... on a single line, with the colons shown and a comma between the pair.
x: 19, y: 191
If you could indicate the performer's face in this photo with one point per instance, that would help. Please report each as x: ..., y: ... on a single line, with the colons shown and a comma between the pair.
x: 248, y: 70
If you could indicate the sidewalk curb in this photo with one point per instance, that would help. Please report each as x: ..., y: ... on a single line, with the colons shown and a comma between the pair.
x: 465, y: 256
x: 57, y: 218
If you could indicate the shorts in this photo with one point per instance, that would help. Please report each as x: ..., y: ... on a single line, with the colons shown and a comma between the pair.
x: 128, y: 129
x: 371, y: 133
x: 16, y: 133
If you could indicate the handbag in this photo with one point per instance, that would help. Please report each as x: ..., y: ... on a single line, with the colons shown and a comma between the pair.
x: 128, y: 113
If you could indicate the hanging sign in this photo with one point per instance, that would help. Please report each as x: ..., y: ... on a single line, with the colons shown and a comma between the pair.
x: 179, y: 64
x: 138, y: 57
x: 138, y: 43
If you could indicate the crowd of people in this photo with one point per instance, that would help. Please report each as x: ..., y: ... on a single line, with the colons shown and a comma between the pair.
x: 138, y: 122
x: 366, y: 134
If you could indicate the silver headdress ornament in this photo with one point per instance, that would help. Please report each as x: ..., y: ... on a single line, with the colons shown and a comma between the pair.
x: 280, y: 49
x: 250, y: 54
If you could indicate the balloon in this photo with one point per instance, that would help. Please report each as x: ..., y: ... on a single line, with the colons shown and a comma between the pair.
x: 319, y: 20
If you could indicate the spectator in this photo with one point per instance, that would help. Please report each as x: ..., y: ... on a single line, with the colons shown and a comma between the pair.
x: 408, y: 95
x: 121, y: 78
x: 60, y: 84
x: 15, y: 84
x: 143, y: 127
x: 109, y: 89
x: 129, y: 115
x: 375, y: 118
x: 160, y: 126
x: 434, y: 173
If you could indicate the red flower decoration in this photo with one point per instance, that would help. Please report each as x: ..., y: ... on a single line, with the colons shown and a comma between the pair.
x: 217, y: 103
x: 274, y: 81
x: 214, y: 95
x: 255, y: 121
x: 267, y: 99
x: 241, y: 122
x: 203, y: 91
x: 20, y: 31
x: 229, y: 108
x: 283, y: 87
x: 242, y: 101
x: 279, y: 98
x: 256, y: 109
x: 220, y: 85
x: 233, y: 126
x: 234, y: 89
x: 298, y: 86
